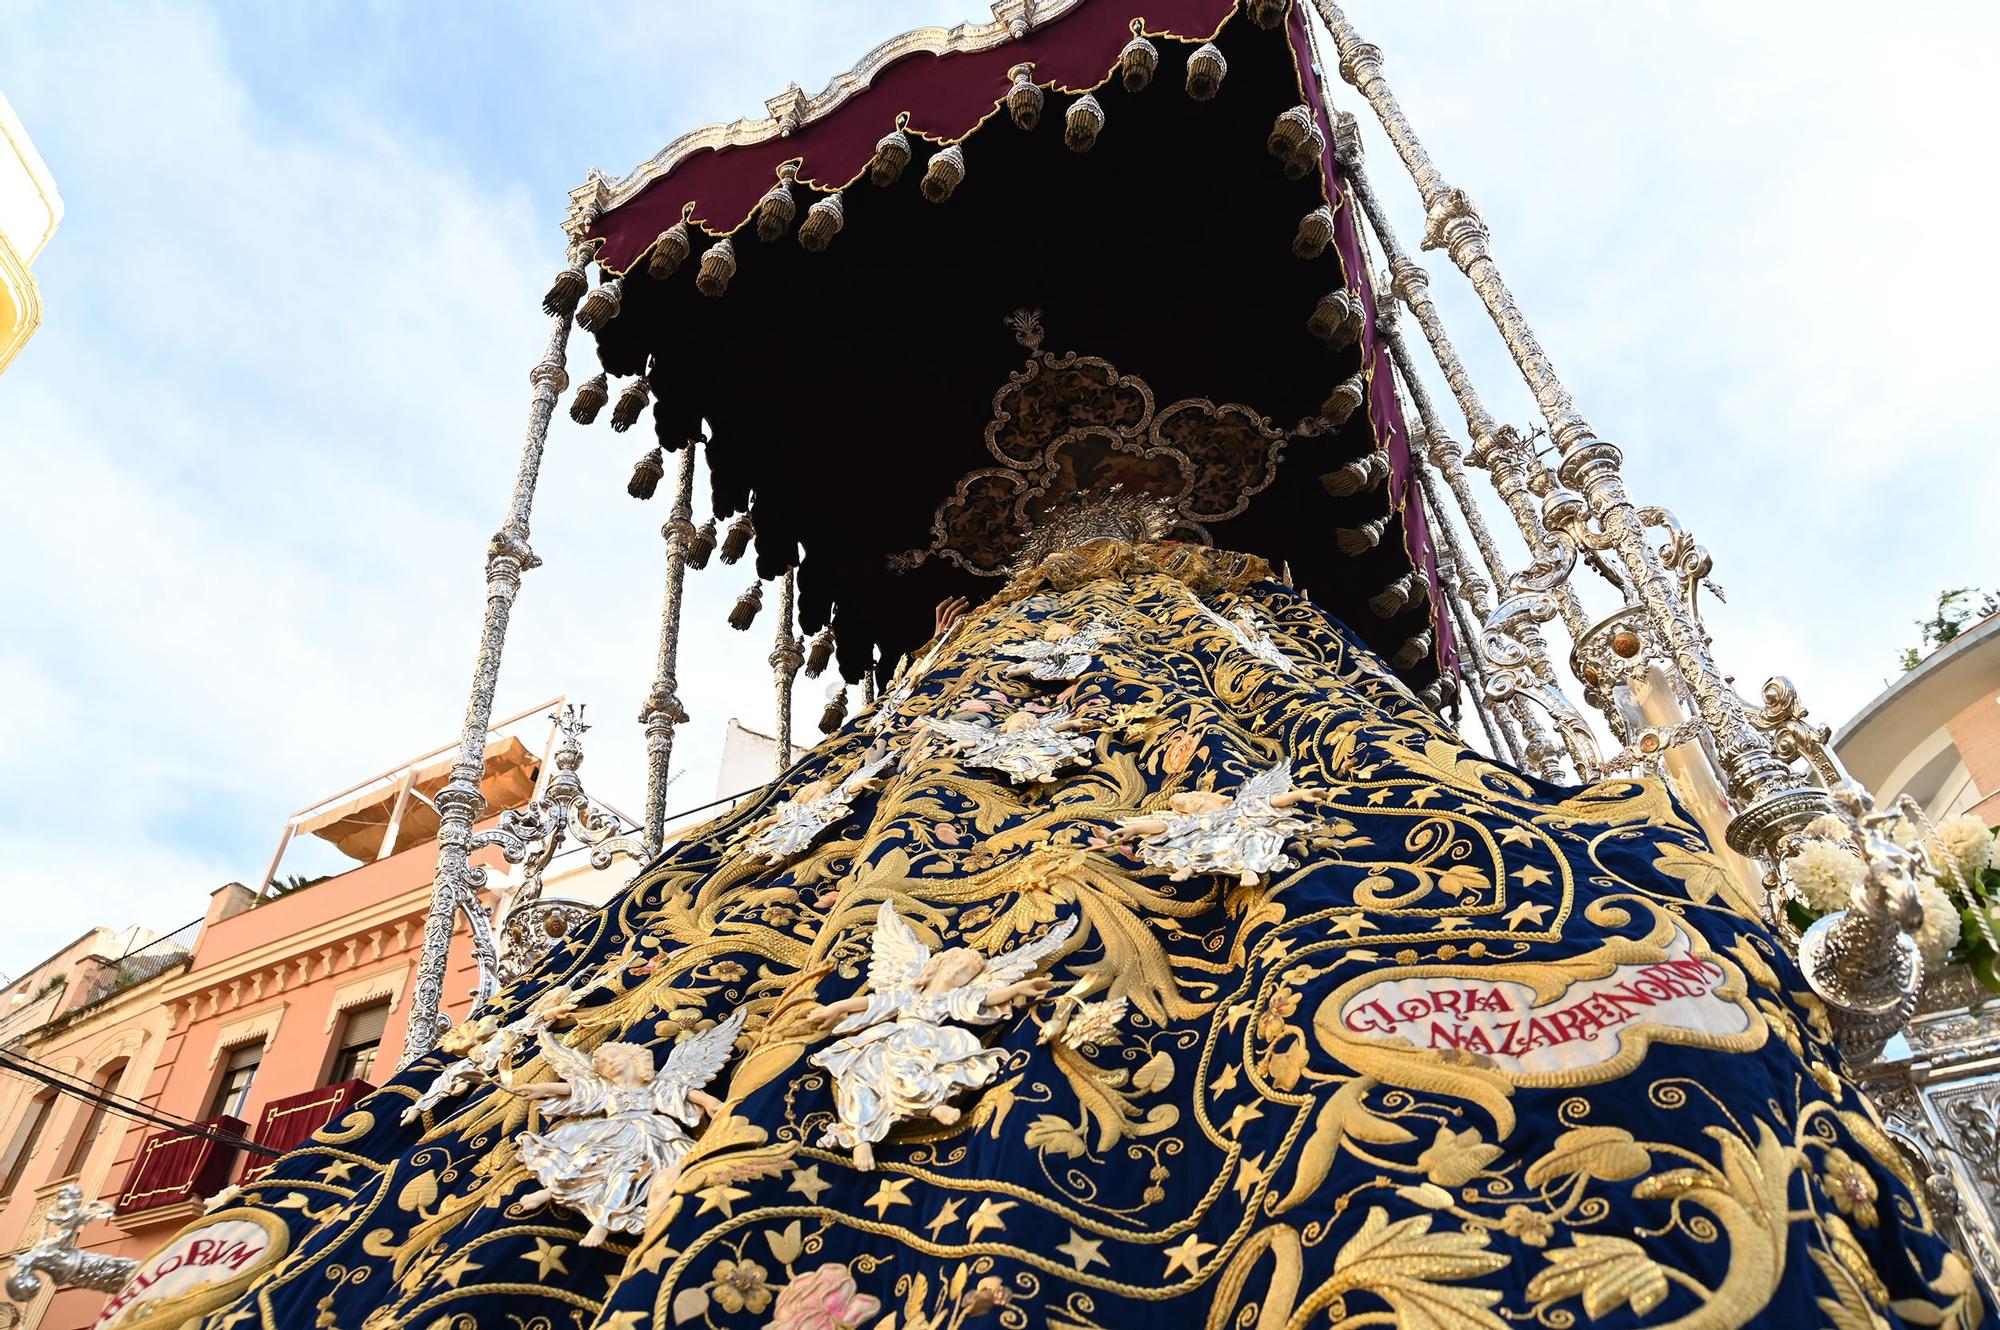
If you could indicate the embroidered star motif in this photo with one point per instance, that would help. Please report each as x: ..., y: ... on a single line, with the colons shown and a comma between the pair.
x: 1083, y: 1250
x: 1527, y: 912
x: 1352, y: 924
x: 337, y: 1171
x: 809, y: 1184
x: 987, y: 1216
x: 946, y: 1216
x: 1515, y: 836
x: 1277, y: 949
x: 1249, y: 1174
x: 1233, y: 1017
x: 1422, y: 795
x: 1187, y: 1256
x: 628, y: 1319
x: 462, y: 1266
x: 545, y: 1257
x: 721, y: 1197
x: 1240, y: 1117
x: 1379, y: 797
x: 890, y: 1193
x: 1532, y: 876
x: 1451, y: 923
x: 1225, y: 1081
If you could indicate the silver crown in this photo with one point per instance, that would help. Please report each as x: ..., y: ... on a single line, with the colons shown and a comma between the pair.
x: 1113, y: 514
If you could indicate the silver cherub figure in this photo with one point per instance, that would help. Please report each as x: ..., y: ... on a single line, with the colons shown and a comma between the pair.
x: 624, y: 1127
x: 1028, y: 746
x: 1207, y: 832
x: 898, y: 1059
x: 1061, y: 653
x: 484, y: 1043
x: 792, y: 826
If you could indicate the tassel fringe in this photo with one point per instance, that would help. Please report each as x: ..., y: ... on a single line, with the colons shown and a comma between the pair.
x: 630, y: 403
x: 1082, y: 124
x: 702, y: 546
x: 1412, y: 652
x: 1137, y: 62
x: 1363, y: 473
x: 820, y: 654
x: 776, y: 209
x: 670, y: 251
x: 1288, y: 132
x: 737, y: 538
x: 1336, y: 320
x: 944, y: 173
x: 565, y: 291
x: 718, y: 265
x: 1355, y: 540
x: 744, y: 612
x: 1345, y: 400
x: 1205, y: 71
x: 1315, y: 233
x: 646, y: 473
x: 823, y: 222
x: 1305, y: 159
x: 892, y: 154
x: 600, y: 306
x: 835, y: 714
x: 591, y: 395
x: 1024, y: 99
x: 1266, y: 13
x: 1393, y: 599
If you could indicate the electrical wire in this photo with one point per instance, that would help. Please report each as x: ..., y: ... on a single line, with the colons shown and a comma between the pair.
x: 34, y: 1071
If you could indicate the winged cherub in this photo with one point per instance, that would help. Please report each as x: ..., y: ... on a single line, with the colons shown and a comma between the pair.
x: 1207, y: 832
x: 1028, y: 746
x: 1253, y: 635
x: 486, y: 1042
x: 1062, y: 652
x: 792, y: 826
x: 898, y: 1059
x: 624, y: 1126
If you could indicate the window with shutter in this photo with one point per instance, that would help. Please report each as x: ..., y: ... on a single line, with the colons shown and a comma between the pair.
x: 360, y: 1038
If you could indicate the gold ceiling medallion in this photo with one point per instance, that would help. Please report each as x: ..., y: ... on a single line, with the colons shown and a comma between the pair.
x: 1069, y: 424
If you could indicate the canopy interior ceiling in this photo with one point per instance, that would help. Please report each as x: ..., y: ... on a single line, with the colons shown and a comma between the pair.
x: 850, y: 396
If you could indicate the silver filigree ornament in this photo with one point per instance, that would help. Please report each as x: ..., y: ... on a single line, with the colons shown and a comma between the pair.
x: 488, y: 1044
x: 58, y: 1261
x: 1252, y: 634
x: 1079, y: 1023
x: 792, y: 826
x: 1061, y: 654
x: 1242, y: 835
x: 898, y: 1058
x: 624, y: 1125
x: 1028, y: 747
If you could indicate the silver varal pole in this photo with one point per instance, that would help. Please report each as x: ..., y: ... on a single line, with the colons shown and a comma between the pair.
x: 663, y: 710
x: 461, y: 802
x: 787, y: 654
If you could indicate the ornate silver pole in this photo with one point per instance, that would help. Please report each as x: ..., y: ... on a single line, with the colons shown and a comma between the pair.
x: 461, y: 803
x: 787, y: 654
x: 1461, y: 587
x: 1589, y: 466
x: 663, y: 709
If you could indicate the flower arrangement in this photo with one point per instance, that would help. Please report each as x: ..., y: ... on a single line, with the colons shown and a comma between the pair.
x: 1961, y: 902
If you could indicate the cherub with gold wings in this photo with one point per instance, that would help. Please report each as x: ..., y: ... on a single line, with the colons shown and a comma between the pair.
x: 624, y: 1126
x: 899, y: 1059
x: 1207, y: 832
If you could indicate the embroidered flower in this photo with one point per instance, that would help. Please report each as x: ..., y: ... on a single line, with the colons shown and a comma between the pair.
x: 1969, y: 844
x: 780, y: 916
x: 823, y: 1299
x: 1530, y: 1226
x: 1939, y: 933
x: 739, y: 1285
x: 1849, y: 1186
x: 1456, y: 1157
x: 1824, y: 874
x: 727, y: 972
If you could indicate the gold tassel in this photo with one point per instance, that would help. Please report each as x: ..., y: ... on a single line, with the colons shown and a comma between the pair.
x: 892, y: 154
x: 702, y: 546
x: 823, y: 221
x: 670, y: 251
x: 718, y: 265
x: 590, y: 398
x: 944, y: 173
x: 630, y: 403
x: 1082, y: 124
x: 1315, y: 233
x: 745, y: 611
x: 1306, y: 159
x: 737, y: 538
x: 1363, y: 473
x: 646, y: 475
x: 1393, y: 599
x: 835, y: 714
x: 1137, y: 61
x: 776, y: 209
x: 1355, y: 540
x: 1024, y: 99
x: 1289, y: 131
x: 1336, y: 319
x: 1205, y: 70
x: 1442, y: 693
x: 1266, y: 13
x: 1413, y: 651
x: 820, y: 654
x: 600, y: 306
x: 567, y: 289
x: 1345, y: 400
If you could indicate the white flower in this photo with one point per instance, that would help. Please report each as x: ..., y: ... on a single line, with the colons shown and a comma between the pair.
x: 1969, y: 844
x: 1939, y: 933
x: 1824, y: 874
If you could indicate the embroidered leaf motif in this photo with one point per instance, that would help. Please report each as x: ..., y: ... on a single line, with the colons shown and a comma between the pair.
x: 1051, y: 1133
x: 1455, y: 1158
x: 1409, y: 1267
x: 1344, y: 1114
x: 1704, y: 874
x: 690, y: 1303
x: 1156, y: 1075
x: 786, y: 1246
x: 1606, y: 1271
x: 1599, y: 1152
x: 419, y: 1193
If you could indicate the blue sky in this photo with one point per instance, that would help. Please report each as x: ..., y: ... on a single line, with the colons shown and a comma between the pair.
x: 253, y: 456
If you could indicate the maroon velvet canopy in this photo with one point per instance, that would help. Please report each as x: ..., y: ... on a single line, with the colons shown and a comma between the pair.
x: 869, y: 404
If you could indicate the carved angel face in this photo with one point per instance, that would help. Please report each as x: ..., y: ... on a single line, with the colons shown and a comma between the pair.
x: 954, y: 968
x: 813, y: 790
x: 1190, y: 802
x: 1020, y: 722
x: 624, y: 1065
x: 1058, y: 632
